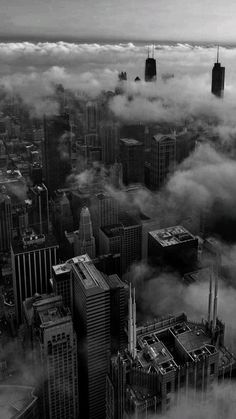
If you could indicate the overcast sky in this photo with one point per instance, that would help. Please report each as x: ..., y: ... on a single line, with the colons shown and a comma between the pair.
x: 177, y: 20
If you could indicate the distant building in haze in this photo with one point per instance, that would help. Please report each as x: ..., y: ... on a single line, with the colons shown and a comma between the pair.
x: 56, y: 151
x: 218, y: 78
x: 132, y: 159
x: 162, y: 158
x: 150, y: 68
x: 109, y: 134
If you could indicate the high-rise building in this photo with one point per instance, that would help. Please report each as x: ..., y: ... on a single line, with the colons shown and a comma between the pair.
x: 62, y: 218
x: 132, y: 159
x: 54, y: 346
x: 92, y: 324
x: 84, y: 241
x: 162, y: 158
x: 124, y: 238
x: 173, y: 247
x: 109, y: 134
x: 33, y: 256
x: 150, y: 68
x: 99, y: 314
x: 218, y: 78
x: 56, y: 151
x: 165, y: 361
x: 5, y: 220
x: 92, y: 118
x: 39, y: 219
x: 62, y: 283
x: 104, y: 211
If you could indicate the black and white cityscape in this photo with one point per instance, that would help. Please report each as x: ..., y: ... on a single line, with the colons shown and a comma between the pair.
x: 117, y: 209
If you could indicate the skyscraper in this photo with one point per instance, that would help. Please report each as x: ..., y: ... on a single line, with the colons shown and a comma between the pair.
x: 150, y: 68
x: 40, y: 209
x: 91, y: 117
x: 162, y: 158
x: 109, y: 133
x: 218, y: 78
x: 84, y: 241
x: 33, y: 256
x: 104, y: 211
x: 5, y: 220
x: 56, y: 151
x: 132, y: 159
x: 92, y: 324
x: 55, y: 346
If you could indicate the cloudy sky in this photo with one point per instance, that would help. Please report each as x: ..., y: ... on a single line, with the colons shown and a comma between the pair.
x: 186, y: 20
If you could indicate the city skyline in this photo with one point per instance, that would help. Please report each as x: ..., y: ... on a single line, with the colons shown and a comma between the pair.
x: 117, y: 209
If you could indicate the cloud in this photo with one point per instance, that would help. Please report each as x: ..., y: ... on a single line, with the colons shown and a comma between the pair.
x: 32, y: 69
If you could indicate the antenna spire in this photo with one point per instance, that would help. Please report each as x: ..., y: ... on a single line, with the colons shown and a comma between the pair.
x: 153, y: 49
x: 218, y: 53
x: 148, y: 51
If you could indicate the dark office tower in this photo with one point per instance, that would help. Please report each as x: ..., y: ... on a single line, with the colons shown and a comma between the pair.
x: 62, y: 283
x: 218, y: 78
x: 92, y: 324
x: 150, y: 68
x: 32, y: 259
x: 132, y: 159
x: 110, y: 135
x: 84, y: 241
x: 62, y: 218
x: 36, y: 173
x: 5, y: 220
x: 56, y: 152
x: 173, y: 247
x: 55, y: 347
x: 125, y: 239
x: 104, y: 211
x: 40, y: 209
x: 91, y: 117
x: 162, y: 158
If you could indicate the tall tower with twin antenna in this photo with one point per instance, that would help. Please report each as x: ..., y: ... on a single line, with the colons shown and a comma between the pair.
x: 218, y: 78
x: 150, y: 66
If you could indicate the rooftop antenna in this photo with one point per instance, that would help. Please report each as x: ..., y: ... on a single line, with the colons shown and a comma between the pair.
x: 148, y: 51
x: 153, y: 49
x: 218, y: 53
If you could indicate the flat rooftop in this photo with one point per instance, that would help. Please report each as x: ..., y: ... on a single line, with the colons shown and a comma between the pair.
x: 172, y: 236
x: 66, y: 267
x: 130, y: 141
x: 14, y: 400
x: 88, y: 274
x: 18, y: 247
x: 163, y: 137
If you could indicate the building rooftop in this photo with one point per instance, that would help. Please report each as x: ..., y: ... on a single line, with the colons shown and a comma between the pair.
x: 172, y: 236
x: 88, y: 274
x: 165, y: 344
x: 15, y: 400
x: 130, y: 141
x: 31, y: 241
x: 162, y: 137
